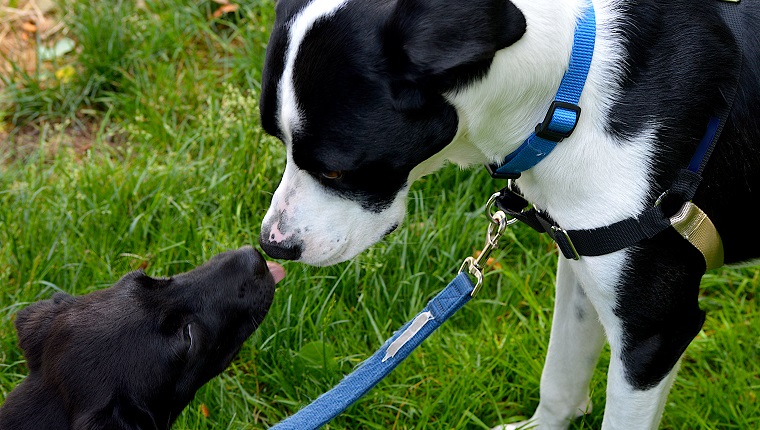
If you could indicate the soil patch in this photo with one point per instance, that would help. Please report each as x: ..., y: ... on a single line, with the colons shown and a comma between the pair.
x: 23, y: 25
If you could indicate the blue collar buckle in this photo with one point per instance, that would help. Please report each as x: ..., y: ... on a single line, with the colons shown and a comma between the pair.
x: 493, y: 170
x: 556, y: 129
x: 559, y: 123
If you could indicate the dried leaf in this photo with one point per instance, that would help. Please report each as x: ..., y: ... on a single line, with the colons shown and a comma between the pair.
x: 490, y: 262
x: 204, y: 410
x: 225, y: 8
x: 29, y: 27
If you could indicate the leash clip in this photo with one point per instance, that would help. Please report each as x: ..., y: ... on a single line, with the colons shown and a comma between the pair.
x: 498, y: 222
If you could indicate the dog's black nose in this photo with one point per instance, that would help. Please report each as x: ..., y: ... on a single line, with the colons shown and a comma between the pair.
x: 282, y: 251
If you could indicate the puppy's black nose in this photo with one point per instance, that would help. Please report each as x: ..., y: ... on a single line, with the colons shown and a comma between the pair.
x: 250, y: 258
x: 282, y: 251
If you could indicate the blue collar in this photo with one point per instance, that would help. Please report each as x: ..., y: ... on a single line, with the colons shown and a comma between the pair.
x: 564, y: 111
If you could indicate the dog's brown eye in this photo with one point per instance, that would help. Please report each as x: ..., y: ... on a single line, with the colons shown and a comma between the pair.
x: 333, y: 174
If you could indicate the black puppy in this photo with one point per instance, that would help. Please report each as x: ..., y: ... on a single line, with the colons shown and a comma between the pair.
x: 133, y: 355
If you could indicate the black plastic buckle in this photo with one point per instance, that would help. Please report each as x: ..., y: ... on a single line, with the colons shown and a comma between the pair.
x: 510, y: 202
x: 492, y: 170
x: 542, y: 129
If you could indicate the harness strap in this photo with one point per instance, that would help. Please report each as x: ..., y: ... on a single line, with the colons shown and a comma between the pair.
x: 592, y: 242
x: 383, y: 361
x: 673, y: 208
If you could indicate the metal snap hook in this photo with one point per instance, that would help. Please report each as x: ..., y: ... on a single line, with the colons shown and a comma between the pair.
x: 496, y: 227
x: 492, y: 214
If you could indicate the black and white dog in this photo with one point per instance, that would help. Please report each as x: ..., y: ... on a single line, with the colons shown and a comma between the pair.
x: 133, y: 355
x: 370, y: 95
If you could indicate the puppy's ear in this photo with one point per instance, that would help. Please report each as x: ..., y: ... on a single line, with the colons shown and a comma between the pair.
x: 117, y: 415
x: 431, y: 44
x: 33, y: 325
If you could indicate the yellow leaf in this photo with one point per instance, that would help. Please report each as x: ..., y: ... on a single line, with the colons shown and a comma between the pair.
x: 65, y: 73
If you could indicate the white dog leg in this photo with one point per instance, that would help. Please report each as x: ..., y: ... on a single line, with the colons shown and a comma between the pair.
x: 633, y: 409
x: 577, y: 338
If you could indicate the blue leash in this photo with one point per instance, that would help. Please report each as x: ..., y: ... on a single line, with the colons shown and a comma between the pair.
x: 374, y: 369
x: 405, y: 340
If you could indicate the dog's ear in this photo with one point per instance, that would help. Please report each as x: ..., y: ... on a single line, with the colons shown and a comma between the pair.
x: 33, y: 325
x: 431, y: 44
x: 119, y: 414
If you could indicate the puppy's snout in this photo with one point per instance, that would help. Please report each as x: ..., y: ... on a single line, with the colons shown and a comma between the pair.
x: 250, y: 258
x: 253, y: 259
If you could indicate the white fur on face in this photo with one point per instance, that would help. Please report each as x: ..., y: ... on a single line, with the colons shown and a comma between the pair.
x: 328, y: 228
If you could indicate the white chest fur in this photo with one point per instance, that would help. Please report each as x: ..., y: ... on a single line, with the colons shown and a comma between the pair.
x: 592, y: 178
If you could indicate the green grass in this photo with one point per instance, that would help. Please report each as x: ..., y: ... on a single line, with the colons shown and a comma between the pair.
x: 178, y: 170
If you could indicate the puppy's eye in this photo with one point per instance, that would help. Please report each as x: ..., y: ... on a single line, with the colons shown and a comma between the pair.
x: 333, y: 174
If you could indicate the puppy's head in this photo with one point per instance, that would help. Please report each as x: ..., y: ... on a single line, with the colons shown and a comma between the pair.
x: 355, y: 91
x: 133, y: 355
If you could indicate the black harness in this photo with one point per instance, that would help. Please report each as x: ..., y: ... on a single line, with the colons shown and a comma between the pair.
x: 604, y: 240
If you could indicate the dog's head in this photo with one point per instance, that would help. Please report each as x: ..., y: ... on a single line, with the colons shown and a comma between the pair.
x: 355, y: 90
x: 133, y: 355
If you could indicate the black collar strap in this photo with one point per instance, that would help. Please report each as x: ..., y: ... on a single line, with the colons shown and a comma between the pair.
x: 673, y: 208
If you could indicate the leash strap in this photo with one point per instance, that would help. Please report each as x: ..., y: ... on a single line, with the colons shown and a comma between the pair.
x: 604, y: 240
x: 394, y: 351
x: 564, y: 112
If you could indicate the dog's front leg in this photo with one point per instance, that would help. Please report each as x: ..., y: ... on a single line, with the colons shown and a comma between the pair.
x: 576, y: 340
x: 629, y: 407
x: 655, y: 316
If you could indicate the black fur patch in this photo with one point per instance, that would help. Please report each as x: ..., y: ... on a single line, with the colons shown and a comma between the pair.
x: 658, y: 306
x: 680, y: 59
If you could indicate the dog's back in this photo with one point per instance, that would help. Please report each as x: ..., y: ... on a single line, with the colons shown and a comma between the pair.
x: 732, y: 177
x: 680, y: 64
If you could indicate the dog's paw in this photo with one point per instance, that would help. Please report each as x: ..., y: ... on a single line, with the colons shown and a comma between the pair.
x: 535, y: 422
x: 522, y: 425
